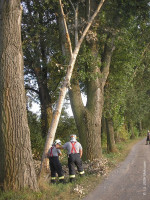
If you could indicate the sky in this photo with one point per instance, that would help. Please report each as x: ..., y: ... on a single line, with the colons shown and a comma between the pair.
x: 36, y: 107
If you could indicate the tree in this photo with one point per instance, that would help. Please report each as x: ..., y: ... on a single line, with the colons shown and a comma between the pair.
x: 66, y: 82
x: 41, y: 50
x: 125, y: 92
x: 16, y: 166
x: 93, y: 71
x: 94, y: 68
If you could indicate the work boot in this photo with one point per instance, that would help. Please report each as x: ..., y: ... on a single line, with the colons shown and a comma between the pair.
x: 81, y: 175
x: 62, y: 181
x: 53, y: 181
x: 72, y: 180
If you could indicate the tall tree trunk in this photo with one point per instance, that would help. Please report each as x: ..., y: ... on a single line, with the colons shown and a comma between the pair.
x: 45, y: 100
x: 140, y: 128
x: 103, y: 128
x: 16, y: 165
x: 88, y: 120
x: 110, y: 135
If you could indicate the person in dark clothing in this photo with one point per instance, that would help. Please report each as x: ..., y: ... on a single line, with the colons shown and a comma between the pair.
x: 74, y: 151
x: 148, y: 137
x: 55, y: 165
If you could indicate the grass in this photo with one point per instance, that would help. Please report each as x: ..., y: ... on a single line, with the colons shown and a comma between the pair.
x: 76, y: 190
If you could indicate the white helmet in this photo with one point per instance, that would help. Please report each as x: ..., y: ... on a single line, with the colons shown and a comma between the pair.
x: 57, y: 142
x: 73, y: 138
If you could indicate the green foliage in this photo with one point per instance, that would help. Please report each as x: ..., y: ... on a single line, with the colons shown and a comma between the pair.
x: 122, y: 133
x: 22, y: 195
x: 135, y: 131
x: 37, y: 142
x: 87, y: 62
x: 41, y: 48
x: 66, y: 127
x: 146, y: 124
x: 104, y: 140
x: 126, y: 92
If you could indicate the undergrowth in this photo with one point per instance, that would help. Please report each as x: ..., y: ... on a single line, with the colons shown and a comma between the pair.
x: 76, y: 190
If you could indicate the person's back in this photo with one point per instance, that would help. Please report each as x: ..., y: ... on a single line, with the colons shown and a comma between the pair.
x: 72, y: 147
x: 74, y: 151
x: 55, y: 165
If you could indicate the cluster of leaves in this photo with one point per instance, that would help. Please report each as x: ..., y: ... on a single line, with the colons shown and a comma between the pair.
x: 37, y: 142
x: 66, y: 127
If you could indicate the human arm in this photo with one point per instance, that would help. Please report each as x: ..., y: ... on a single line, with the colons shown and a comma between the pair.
x: 59, y: 152
x: 81, y: 152
x: 58, y: 146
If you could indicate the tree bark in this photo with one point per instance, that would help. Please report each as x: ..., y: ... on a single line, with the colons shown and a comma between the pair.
x: 16, y: 166
x: 110, y: 135
x: 45, y: 100
x: 88, y: 122
x: 132, y: 130
x: 140, y: 128
x: 103, y: 127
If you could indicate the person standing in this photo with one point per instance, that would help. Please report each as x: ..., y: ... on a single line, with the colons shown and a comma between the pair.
x: 148, y: 137
x: 54, y: 163
x: 74, y: 151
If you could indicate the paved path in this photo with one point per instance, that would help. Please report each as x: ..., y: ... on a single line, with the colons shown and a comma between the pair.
x: 130, y: 180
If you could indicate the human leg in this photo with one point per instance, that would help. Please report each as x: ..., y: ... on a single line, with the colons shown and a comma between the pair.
x: 53, y: 171
x: 71, y: 166
x: 78, y: 163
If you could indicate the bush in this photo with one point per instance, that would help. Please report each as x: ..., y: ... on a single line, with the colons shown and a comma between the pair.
x: 37, y: 142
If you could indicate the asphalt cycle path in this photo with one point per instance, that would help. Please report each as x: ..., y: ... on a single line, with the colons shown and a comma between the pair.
x: 130, y: 180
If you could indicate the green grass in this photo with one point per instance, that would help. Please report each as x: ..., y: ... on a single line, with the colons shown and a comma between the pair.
x: 69, y: 191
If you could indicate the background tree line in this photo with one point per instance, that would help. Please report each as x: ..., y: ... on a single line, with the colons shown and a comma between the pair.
x: 113, y: 46
x: 111, y: 70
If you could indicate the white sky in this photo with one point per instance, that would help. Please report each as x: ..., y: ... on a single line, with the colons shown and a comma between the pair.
x: 36, y: 107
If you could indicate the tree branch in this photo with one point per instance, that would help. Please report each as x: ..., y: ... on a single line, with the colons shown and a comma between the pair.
x: 32, y: 89
x: 65, y: 24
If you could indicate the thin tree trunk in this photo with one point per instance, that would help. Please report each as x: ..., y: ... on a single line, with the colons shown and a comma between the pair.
x: 46, y: 109
x: 110, y: 135
x: 132, y: 130
x: 103, y: 128
x: 140, y: 128
x: 16, y: 165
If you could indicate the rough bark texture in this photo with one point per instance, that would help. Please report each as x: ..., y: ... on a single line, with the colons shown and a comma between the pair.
x: 16, y: 165
x: 45, y: 100
x: 88, y: 119
x: 110, y: 135
x: 103, y: 127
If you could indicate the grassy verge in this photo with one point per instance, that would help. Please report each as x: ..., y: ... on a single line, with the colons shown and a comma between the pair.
x: 76, y: 190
